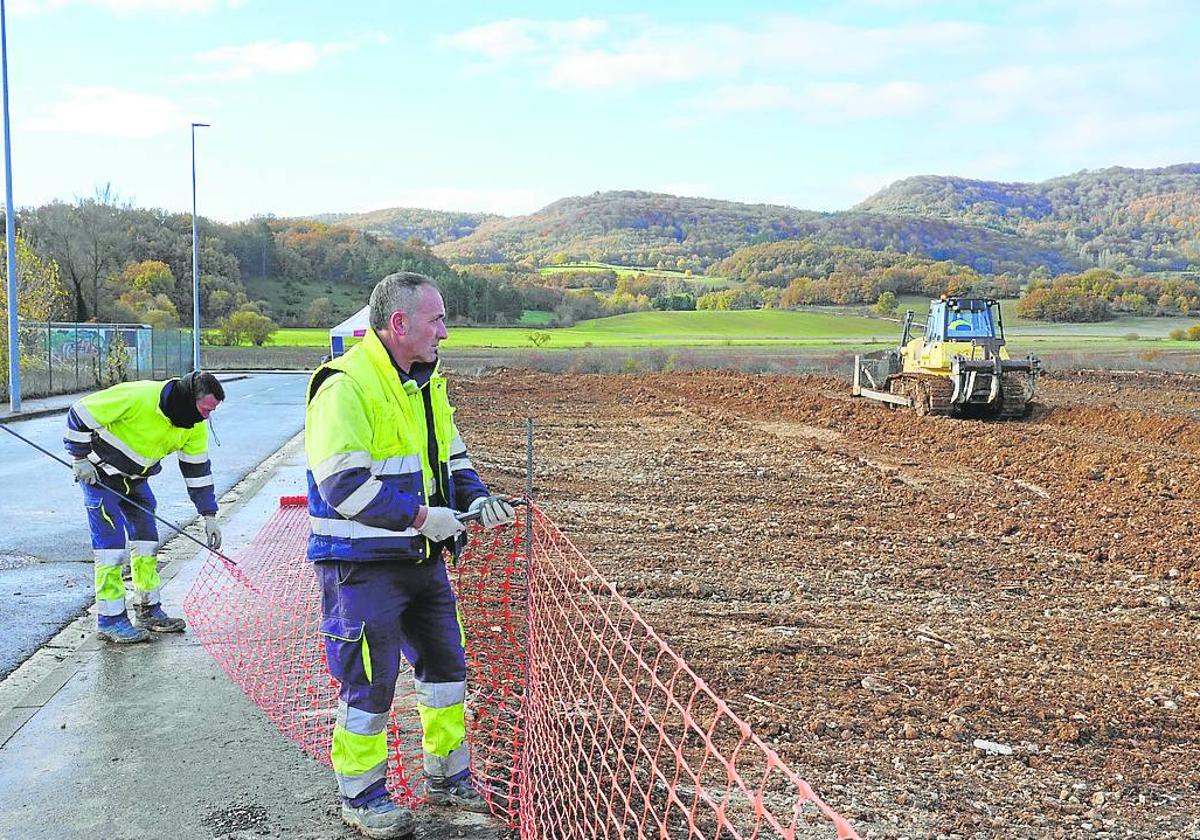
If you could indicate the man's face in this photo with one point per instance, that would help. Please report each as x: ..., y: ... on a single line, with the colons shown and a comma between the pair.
x: 206, y: 405
x: 424, y: 328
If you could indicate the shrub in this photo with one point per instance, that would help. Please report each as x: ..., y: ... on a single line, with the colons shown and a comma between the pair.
x: 1177, y: 334
x: 886, y: 305
x: 1131, y: 336
x: 247, y: 325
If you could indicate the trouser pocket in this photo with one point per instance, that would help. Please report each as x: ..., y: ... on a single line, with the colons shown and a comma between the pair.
x: 346, y: 650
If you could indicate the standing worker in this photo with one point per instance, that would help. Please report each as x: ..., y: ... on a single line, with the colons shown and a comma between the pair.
x: 117, y: 437
x: 386, y: 471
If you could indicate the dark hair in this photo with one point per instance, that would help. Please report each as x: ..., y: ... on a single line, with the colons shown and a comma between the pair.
x: 206, y: 384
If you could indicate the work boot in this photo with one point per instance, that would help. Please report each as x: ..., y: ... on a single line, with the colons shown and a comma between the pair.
x: 380, y: 818
x: 117, y: 630
x: 460, y: 791
x: 152, y: 617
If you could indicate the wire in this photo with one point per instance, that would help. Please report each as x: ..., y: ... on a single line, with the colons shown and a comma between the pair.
x: 125, y: 498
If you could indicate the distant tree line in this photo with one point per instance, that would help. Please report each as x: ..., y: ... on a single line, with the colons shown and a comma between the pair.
x: 1099, y: 294
x: 121, y: 263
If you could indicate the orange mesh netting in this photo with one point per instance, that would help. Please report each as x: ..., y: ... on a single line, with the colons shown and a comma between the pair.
x: 583, y: 722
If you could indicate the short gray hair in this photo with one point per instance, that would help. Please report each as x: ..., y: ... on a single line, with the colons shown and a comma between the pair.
x: 399, y: 291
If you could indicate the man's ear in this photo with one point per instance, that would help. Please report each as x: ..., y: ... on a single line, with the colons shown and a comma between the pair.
x: 397, y: 323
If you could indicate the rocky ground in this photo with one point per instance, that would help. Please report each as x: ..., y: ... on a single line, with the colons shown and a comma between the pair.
x: 875, y: 591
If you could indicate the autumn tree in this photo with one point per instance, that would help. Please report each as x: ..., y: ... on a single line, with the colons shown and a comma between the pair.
x: 41, y: 295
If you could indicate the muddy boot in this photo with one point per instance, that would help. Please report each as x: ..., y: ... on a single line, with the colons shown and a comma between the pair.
x: 380, y: 818
x: 116, y: 630
x: 460, y: 791
x: 152, y: 617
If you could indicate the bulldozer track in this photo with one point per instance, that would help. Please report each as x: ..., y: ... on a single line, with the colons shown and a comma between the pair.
x: 930, y: 395
x: 1015, y: 401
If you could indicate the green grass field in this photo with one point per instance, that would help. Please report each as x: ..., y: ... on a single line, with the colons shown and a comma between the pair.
x: 772, y: 328
x: 536, y: 317
x: 1019, y: 328
x: 699, y: 282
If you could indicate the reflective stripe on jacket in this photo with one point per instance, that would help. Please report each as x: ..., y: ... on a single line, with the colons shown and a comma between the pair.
x: 367, y: 447
x: 124, y: 432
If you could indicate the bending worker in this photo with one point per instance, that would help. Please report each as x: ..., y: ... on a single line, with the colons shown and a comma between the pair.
x: 117, y: 437
x: 386, y: 471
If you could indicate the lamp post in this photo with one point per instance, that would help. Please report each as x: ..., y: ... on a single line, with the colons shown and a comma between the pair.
x: 14, y: 350
x: 195, y: 259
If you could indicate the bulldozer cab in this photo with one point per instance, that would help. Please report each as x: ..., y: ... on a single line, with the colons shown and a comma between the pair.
x: 964, y: 319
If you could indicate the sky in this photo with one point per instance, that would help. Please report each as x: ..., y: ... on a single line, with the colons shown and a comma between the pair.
x: 504, y: 107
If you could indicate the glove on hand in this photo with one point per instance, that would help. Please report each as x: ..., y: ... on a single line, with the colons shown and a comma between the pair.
x: 85, y: 471
x: 494, y: 511
x: 441, y: 524
x: 212, y: 532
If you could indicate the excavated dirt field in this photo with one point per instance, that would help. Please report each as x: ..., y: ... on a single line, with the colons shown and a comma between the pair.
x: 874, y: 591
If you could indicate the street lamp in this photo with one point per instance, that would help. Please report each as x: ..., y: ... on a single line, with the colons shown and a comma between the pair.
x: 14, y: 353
x: 195, y: 259
x: 10, y: 231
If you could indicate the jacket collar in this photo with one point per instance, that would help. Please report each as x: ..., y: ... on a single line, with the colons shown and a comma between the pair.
x: 419, y: 376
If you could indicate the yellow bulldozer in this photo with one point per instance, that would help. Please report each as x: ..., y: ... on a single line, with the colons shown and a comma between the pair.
x: 957, y: 366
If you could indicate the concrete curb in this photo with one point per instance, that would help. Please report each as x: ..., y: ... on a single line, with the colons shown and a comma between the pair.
x: 77, y: 639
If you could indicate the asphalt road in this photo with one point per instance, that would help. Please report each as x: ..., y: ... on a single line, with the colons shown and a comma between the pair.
x: 45, y: 551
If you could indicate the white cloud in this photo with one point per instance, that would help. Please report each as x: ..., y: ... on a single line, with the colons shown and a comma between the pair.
x: 505, y: 39
x: 829, y: 101
x: 759, y: 96
x: 124, y: 7
x: 248, y: 60
x: 634, y: 53
x: 109, y: 112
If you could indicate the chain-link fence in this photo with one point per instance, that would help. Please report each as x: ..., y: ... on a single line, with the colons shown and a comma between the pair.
x: 62, y: 358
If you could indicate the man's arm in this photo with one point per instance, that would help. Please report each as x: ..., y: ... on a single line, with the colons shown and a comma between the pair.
x: 468, y: 486
x: 196, y: 469
x: 337, y: 437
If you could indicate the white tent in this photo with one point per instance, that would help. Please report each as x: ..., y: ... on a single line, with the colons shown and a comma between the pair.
x: 355, y: 326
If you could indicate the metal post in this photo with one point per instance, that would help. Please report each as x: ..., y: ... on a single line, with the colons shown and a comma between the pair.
x: 76, y: 355
x: 49, y: 360
x: 529, y: 491
x: 10, y: 224
x: 195, y: 264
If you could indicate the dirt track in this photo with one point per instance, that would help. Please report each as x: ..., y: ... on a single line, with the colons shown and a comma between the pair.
x: 873, y: 591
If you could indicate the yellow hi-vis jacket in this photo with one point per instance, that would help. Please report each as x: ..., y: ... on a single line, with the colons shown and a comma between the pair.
x: 380, y: 444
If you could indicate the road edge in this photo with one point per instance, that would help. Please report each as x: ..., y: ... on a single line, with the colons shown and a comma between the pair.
x: 53, y: 664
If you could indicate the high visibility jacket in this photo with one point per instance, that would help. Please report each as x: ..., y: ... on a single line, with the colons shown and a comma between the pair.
x: 380, y: 444
x: 124, y: 432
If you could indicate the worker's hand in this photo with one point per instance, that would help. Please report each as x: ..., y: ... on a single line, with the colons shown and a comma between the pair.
x: 494, y: 511
x: 212, y: 532
x: 440, y: 524
x: 85, y: 471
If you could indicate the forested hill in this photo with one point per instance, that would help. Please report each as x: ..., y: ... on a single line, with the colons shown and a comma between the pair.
x: 630, y: 228
x: 1145, y: 218
x: 404, y: 223
x: 642, y: 228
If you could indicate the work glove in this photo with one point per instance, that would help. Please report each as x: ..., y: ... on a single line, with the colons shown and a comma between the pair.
x: 85, y: 471
x: 441, y: 524
x: 212, y: 532
x: 494, y: 511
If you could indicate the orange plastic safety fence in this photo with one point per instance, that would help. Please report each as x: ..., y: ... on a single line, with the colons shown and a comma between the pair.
x: 583, y: 722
